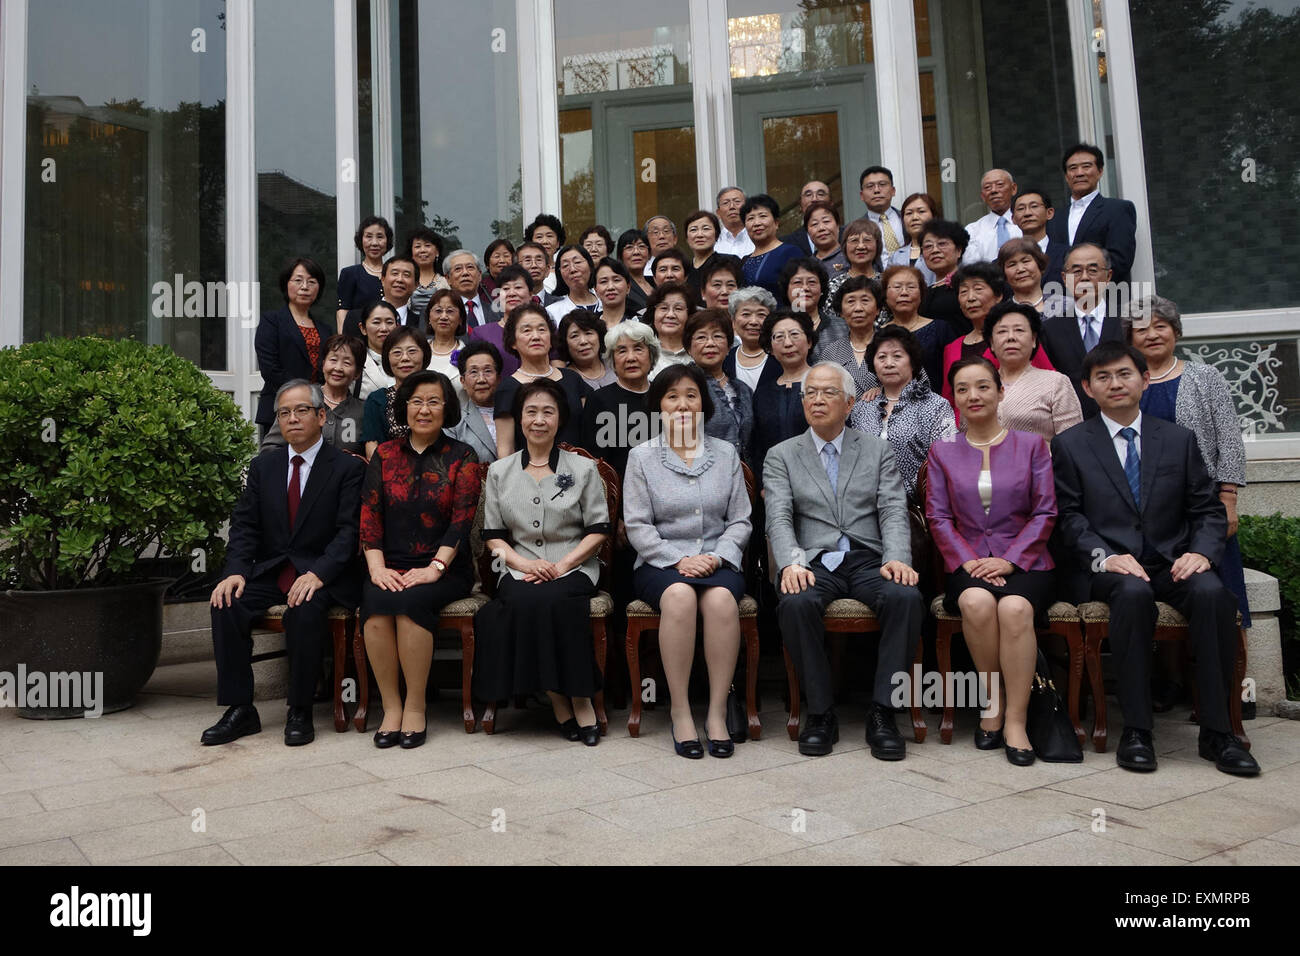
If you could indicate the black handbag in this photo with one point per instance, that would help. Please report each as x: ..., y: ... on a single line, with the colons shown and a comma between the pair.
x: 737, y: 717
x: 1050, y: 732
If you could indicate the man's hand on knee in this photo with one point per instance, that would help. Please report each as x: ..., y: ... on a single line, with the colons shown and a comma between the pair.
x: 224, y: 594
x: 303, y: 587
x: 899, y: 573
x: 1189, y: 564
x: 795, y: 579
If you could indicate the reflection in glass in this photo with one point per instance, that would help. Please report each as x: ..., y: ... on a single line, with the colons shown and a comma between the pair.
x: 796, y: 37
x: 577, y: 177
x: 667, y: 183
x: 793, y: 145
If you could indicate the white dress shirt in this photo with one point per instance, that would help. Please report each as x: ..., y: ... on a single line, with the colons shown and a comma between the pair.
x: 373, y: 376
x: 896, y: 222
x: 1121, y: 443
x: 304, y: 470
x: 739, y: 245
x: 843, y: 544
x: 983, y: 232
x: 1077, y: 208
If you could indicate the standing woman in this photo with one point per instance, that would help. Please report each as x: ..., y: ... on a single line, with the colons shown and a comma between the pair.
x: 574, y: 266
x: 425, y: 250
x: 612, y: 284
x: 943, y: 244
x: 545, y: 518
x: 789, y: 337
x: 614, y: 418
x: 1034, y: 399
x: 821, y: 220
x: 991, y: 506
x: 904, y: 288
x: 417, y: 505
x: 445, y: 321
x: 342, y: 357
x: 377, y: 323
x: 528, y: 337
x: 858, y: 301
x: 862, y: 249
x: 666, y: 311
x: 499, y: 254
x: 548, y: 232
x: 708, y: 333
x: 288, y: 341
x: 688, y: 518
x: 749, y: 362
x: 406, y: 352
x: 580, y: 344
x: 1022, y: 264
x: 515, y: 287
x: 359, y: 284
x: 918, y: 209
x: 597, y: 241
x: 763, y: 266
x: 701, y: 230
x: 804, y: 281
x: 633, y: 253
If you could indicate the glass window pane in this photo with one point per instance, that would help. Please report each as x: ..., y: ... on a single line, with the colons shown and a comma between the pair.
x: 667, y: 183
x: 1222, y: 157
x: 794, y: 145
x: 126, y: 156
x: 577, y: 184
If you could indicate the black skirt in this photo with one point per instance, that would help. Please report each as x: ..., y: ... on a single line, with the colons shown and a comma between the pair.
x: 536, y: 637
x: 1036, y: 587
x: 650, y: 582
x: 423, y: 603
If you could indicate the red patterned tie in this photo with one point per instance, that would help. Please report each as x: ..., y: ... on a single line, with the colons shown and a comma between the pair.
x: 288, y: 573
x: 473, y: 319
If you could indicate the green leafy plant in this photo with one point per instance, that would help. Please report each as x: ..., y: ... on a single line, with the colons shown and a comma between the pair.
x: 1271, y: 543
x: 110, y: 450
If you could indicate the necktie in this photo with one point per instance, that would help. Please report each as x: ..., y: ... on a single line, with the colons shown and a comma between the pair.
x: 1090, y: 335
x: 288, y: 572
x: 831, y: 461
x: 473, y: 319
x: 1002, y: 232
x: 891, y: 237
x: 1133, y: 465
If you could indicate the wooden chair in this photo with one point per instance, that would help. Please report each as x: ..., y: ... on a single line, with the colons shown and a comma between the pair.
x: 642, y: 619
x: 342, y: 624
x: 1170, y: 626
x: 601, y: 603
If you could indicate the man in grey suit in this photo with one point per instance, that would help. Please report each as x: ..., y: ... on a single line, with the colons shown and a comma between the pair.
x: 465, y: 277
x: 838, y: 527
x: 480, y: 367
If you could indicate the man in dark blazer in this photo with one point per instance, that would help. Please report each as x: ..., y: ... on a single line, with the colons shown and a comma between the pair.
x: 838, y: 527
x: 1090, y: 216
x: 1092, y: 315
x: 815, y: 191
x: 397, y: 283
x: 293, y: 540
x: 466, y: 279
x: 1139, y: 520
x: 1031, y: 212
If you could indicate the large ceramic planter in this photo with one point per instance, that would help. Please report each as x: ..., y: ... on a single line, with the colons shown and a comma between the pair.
x: 103, y: 642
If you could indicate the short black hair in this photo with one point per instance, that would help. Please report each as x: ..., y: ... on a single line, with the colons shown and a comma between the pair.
x: 803, y: 319
x: 366, y: 224
x: 428, y: 235
x: 718, y: 318
x: 702, y: 214
x: 341, y: 343
x: 510, y: 273
x: 456, y: 301
x: 528, y: 243
x: 496, y: 244
x: 601, y: 231
x: 987, y: 272
x: 910, y: 343
x: 626, y: 238
x: 562, y: 287
x: 1108, y: 353
x: 401, y: 257
x: 1012, y: 307
x: 858, y: 284
x: 399, y: 334
x: 670, y: 253
x: 809, y: 264
x: 721, y: 263
x: 479, y: 347
x: 1083, y: 148
x: 1035, y: 191
x: 875, y: 169
x: 545, y: 219
x: 450, y: 403
x: 513, y: 319
x: 662, y: 292
x: 968, y: 362
x: 760, y: 201
x: 667, y: 378
x: 313, y: 269
x: 530, y: 389
x: 945, y: 229
x: 583, y: 319
x: 614, y: 264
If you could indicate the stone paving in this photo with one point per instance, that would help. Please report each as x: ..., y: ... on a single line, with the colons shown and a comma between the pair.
x: 136, y: 787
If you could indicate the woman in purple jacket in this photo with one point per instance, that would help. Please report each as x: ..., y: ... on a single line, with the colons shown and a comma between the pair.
x: 991, y: 505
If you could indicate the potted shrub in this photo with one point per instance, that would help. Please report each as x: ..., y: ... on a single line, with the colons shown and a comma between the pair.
x: 112, y: 451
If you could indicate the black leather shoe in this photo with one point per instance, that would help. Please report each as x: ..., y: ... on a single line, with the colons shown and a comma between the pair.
x: 298, y: 729
x: 721, y: 748
x: 883, y: 736
x: 1018, y: 757
x: 413, y: 738
x: 238, y: 721
x: 820, y: 732
x: 1135, y: 751
x: 988, y: 739
x: 691, y: 749
x: 1228, y: 753
x: 591, y: 735
x: 569, y: 729
x: 387, y: 738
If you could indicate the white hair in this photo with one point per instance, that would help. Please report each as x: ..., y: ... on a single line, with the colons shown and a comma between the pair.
x: 847, y: 384
x: 636, y: 332
x: 446, y: 260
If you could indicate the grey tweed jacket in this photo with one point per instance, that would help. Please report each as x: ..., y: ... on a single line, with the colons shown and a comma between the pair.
x: 1206, y: 407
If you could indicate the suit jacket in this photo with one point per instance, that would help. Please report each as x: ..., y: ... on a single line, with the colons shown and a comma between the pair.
x: 1180, y: 508
x: 1055, y: 253
x: 1110, y: 223
x: 799, y: 238
x: 324, y: 537
x: 472, y: 430
x: 352, y: 321
x: 282, y: 356
x: 804, y: 518
x: 483, y: 311
x: 1021, y: 514
x: 1064, y: 345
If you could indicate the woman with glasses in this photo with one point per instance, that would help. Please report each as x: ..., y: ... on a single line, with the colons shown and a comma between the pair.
x: 789, y: 337
x: 633, y: 253
x: 340, y: 365
x: 708, y: 335
x: 406, y: 352
x: 288, y: 341
x: 574, y: 266
x: 904, y: 289
x: 445, y: 321
x: 943, y: 243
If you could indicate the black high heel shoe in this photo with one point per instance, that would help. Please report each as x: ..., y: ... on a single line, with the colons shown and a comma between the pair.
x: 691, y: 749
x: 988, y: 739
x: 1018, y: 757
x: 721, y: 748
x: 413, y: 739
x: 590, y: 735
x: 387, y: 738
x: 569, y: 729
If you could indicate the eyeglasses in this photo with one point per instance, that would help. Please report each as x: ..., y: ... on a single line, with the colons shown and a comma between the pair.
x: 831, y: 393
x: 932, y: 244
x: 480, y: 373
x: 1091, y: 271
x: 299, y: 411
x: 418, y: 403
x: 404, y: 353
x: 304, y: 282
x: 782, y: 337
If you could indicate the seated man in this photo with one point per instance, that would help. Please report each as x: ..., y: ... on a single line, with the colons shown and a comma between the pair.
x: 293, y: 540
x: 1140, y: 521
x: 838, y: 527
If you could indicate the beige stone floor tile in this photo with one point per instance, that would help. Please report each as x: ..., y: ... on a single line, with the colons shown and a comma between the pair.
x: 50, y: 853
x: 667, y: 770
x: 1255, y: 853
x: 444, y: 750
x: 1076, y: 849
x: 269, y: 785
x: 125, y: 785
x: 1173, y: 779
x: 1290, y: 835
x: 477, y: 847
x: 737, y: 794
x: 432, y: 789
x: 56, y: 774
x: 361, y: 859
x: 52, y: 824
x: 569, y: 828
x: 898, y: 845
x: 211, y: 855
x: 612, y: 753
x: 543, y: 797
x: 805, y: 825
x: 18, y: 805
x: 1007, y: 822
x: 322, y: 842
x: 656, y: 811
x: 723, y: 841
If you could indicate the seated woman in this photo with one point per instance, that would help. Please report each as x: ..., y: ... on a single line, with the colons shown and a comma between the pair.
x: 804, y: 282
x: 1022, y: 264
x: 857, y: 301
x: 862, y: 251
x: 979, y: 287
x: 580, y: 345
x: 701, y: 229
x: 943, y: 243
x: 288, y: 341
x: 708, y: 333
x: 763, y: 266
x: 903, y: 297
x: 480, y: 367
x: 748, y: 361
x: 612, y: 283
x: 991, y: 507
x: 906, y: 413
x: 1034, y: 399
x: 545, y: 518
x: 417, y: 505
x: 515, y: 287
x: 528, y: 337
x: 340, y: 365
x: 614, y: 418
x: 406, y: 352
x: 778, y: 401
x: 574, y: 266
x: 688, y: 518
x: 916, y: 211
x: 822, y: 222
x: 597, y: 241
x: 666, y: 311
x: 632, y: 253
x: 445, y: 324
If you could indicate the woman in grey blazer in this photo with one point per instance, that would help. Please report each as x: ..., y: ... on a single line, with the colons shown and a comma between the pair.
x: 545, y: 517
x: 690, y: 534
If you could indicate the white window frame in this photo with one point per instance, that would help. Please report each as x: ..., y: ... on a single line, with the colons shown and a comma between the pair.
x: 13, y: 159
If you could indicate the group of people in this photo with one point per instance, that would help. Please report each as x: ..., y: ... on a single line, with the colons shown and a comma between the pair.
x: 1054, y: 442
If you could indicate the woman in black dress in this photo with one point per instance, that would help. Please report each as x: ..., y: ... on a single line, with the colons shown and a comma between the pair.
x: 417, y: 506
x: 545, y: 518
x: 359, y: 284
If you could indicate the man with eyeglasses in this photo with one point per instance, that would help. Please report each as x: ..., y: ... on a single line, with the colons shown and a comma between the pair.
x: 1092, y: 316
x: 814, y: 191
x: 293, y: 541
x: 733, y: 240
x: 662, y: 235
x: 876, y: 188
x: 1110, y: 223
x: 990, y: 231
x: 466, y: 278
x: 838, y: 527
x: 1031, y: 212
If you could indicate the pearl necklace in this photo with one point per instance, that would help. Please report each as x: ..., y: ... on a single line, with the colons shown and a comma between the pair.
x: 757, y: 354
x: 436, y: 352
x: 536, y: 375
x: 538, y: 464
x: 1165, y: 373
x: 981, y: 444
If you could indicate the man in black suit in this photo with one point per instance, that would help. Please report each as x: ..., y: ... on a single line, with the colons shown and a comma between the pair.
x: 1090, y: 317
x: 1091, y: 217
x: 397, y: 282
x: 293, y: 540
x: 1139, y: 520
x: 1031, y: 212
x: 466, y: 278
x: 815, y: 191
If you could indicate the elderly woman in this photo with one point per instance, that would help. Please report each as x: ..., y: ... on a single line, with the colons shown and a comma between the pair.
x: 377, y: 323
x: 340, y: 365
x: 580, y: 345
x: 597, y: 241
x: 862, y: 250
x: 499, y: 254
x: 764, y: 265
x: 1034, y: 399
x: 633, y: 253
x: 358, y: 284
x: 668, y: 267
x: 480, y: 366
x: 708, y: 334
x: 1195, y: 396
x: 688, y: 518
x: 906, y: 413
x: 943, y: 243
x: 749, y: 362
x: 575, y: 267
x: 615, y: 418
x: 718, y: 280
x: 612, y: 283
x: 666, y: 311
x: 858, y: 301
x: 417, y: 505
x: 545, y: 518
x: 288, y: 340
x: 789, y: 337
x: 424, y: 248
x: 822, y: 222
x: 445, y: 321
x: 548, y: 232
x: 529, y: 338
x: 991, y: 506
x: 903, y: 295
x: 804, y: 281
x: 515, y: 287
x: 701, y: 229
x: 1022, y: 264
x: 917, y: 210
x: 406, y: 352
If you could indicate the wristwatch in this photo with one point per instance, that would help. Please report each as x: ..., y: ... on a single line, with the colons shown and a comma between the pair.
x: 442, y: 568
